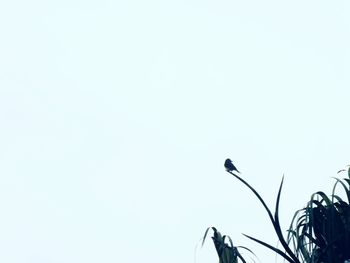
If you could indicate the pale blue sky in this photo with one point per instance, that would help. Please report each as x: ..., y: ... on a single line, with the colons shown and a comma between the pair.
x: 117, y: 117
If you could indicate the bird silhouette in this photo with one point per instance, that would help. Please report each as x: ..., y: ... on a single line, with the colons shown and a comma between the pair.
x: 230, y: 166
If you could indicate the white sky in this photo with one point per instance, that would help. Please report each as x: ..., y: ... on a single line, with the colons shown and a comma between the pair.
x: 116, y: 118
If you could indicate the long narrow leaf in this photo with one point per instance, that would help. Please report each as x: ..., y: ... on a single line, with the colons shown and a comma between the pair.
x: 278, y: 251
x: 347, y: 190
x: 278, y: 226
x: 256, y: 194
x: 274, y: 223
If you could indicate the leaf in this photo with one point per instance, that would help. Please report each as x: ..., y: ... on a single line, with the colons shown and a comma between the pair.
x: 347, y: 190
x: 278, y: 251
x: 275, y: 223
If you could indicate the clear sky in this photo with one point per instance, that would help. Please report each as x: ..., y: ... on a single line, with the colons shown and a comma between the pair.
x: 116, y: 118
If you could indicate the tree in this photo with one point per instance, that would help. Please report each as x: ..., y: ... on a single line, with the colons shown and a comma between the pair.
x: 319, y: 232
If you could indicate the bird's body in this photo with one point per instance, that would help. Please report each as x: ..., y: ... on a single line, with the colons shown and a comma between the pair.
x: 230, y: 166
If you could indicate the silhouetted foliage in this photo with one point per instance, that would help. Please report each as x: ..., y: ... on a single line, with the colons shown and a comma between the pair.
x: 227, y: 253
x: 319, y: 233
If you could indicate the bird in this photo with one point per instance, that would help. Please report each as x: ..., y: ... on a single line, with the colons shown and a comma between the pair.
x: 230, y: 166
